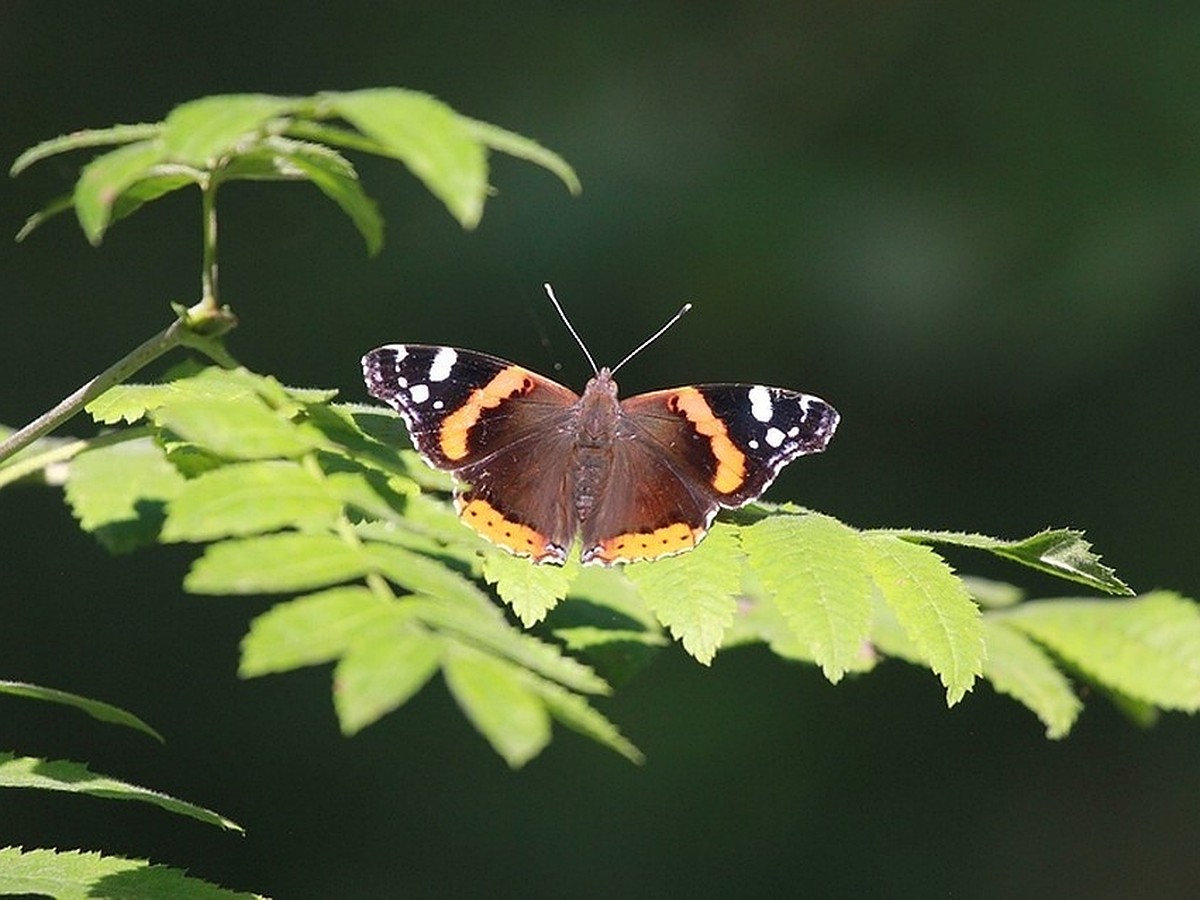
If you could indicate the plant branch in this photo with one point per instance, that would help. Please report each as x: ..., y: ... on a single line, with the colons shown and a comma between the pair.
x: 198, y: 327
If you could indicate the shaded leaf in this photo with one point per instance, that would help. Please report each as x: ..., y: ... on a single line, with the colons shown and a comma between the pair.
x: 148, y: 189
x: 336, y: 179
x: 106, y: 178
x: 46, y: 213
x: 72, y: 777
x: 104, y: 712
x: 119, y: 492
x: 1018, y: 667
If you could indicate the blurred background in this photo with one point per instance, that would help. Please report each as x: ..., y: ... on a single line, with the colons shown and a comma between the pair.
x: 973, y: 228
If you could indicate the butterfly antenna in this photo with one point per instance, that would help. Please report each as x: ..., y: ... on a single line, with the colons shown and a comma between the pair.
x: 654, y: 337
x: 571, y: 328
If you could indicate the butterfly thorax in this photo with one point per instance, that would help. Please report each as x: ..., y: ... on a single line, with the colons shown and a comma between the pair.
x: 599, y: 420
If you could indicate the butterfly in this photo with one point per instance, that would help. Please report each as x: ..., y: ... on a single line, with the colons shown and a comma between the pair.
x: 538, y: 465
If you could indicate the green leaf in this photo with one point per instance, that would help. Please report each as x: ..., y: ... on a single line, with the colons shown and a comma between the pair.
x: 104, y: 712
x: 119, y: 492
x: 531, y: 590
x: 587, y: 637
x: 577, y: 714
x: 487, y: 630
x: 150, y: 189
x: 73, y: 777
x: 103, y: 181
x: 275, y: 563
x: 76, y: 875
x: 523, y: 148
x: 1018, y: 667
x: 336, y: 179
x: 85, y: 138
x: 200, y: 132
x: 1058, y: 551
x: 249, y: 498
x: 238, y: 428
x: 496, y: 698
x: 695, y: 594
x: 131, y: 402
x: 45, y: 214
x: 381, y: 671
x: 1147, y: 649
x: 420, y: 574
x: 313, y: 629
x: 933, y: 607
x: 428, y: 137
x: 814, y: 568
x: 615, y: 599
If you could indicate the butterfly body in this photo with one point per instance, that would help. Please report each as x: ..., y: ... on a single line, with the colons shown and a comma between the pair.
x: 539, y: 466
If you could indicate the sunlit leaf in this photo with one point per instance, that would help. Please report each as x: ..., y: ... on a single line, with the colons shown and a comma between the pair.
x: 275, y: 563
x: 932, y: 606
x: 499, y: 702
x: 78, y: 875
x: 813, y: 568
x: 249, y: 498
x: 531, y: 590
x: 72, y: 777
x: 1147, y: 648
x: 694, y: 595
x: 104, y: 712
x: 428, y: 137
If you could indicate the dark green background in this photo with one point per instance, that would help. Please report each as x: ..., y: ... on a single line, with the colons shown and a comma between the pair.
x: 972, y: 227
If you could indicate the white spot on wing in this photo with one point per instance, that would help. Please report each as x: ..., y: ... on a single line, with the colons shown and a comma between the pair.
x: 443, y: 362
x: 760, y: 404
x: 774, y: 437
x: 419, y: 393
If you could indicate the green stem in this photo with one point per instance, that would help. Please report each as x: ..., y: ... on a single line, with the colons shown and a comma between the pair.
x: 208, y: 273
x: 197, y: 327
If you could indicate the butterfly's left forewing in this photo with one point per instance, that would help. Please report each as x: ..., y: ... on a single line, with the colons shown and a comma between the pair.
x: 461, y: 406
x: 503, y: 431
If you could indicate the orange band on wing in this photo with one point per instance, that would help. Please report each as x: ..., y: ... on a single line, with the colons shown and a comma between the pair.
x: 731, y: 462
x: 457, y: 426
x: 664, y: 541
x: 512, y: 536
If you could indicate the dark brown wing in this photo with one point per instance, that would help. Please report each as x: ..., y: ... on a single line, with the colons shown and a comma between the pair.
x: 500, y: 428
x: 685, y: 452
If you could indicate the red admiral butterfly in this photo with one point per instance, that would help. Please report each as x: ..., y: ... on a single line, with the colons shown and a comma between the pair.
x: 635, y: 479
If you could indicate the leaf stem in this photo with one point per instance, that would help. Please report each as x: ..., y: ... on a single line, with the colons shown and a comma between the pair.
x: 208, y: 273
x: 198, y: 327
